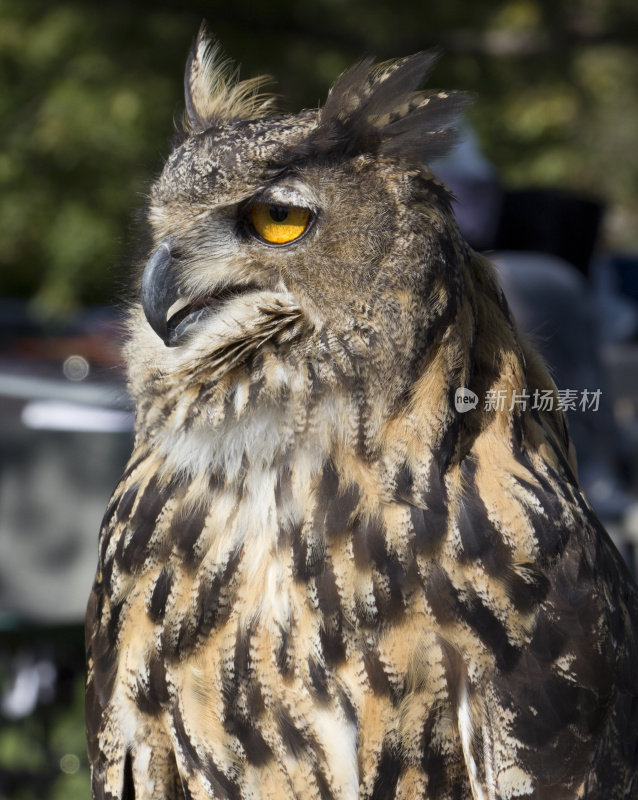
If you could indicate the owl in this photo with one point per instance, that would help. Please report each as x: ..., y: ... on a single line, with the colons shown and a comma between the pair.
x: 321, y: 577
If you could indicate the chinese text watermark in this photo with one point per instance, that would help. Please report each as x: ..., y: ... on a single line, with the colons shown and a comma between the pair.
x: 538, y: 400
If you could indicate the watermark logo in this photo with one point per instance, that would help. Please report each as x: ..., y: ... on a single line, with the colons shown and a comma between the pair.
x: 538, y: 400
x: 464, y: 400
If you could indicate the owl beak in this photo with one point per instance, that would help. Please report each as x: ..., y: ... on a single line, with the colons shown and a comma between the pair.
x: 160, y: 290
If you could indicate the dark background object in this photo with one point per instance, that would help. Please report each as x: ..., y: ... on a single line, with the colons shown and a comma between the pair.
x: 625, y: 268
x: 551, y: 221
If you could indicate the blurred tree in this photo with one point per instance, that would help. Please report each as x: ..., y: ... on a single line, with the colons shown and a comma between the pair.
x: 82, y: 112
x: 90, y: 89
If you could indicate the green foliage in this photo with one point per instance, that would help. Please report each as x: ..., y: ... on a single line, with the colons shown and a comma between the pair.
x: 45, y: 752
x: 90, y: 91
x: 84, y: 130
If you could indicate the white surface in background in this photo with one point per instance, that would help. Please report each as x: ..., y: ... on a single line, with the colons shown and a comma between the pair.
x: 56, y: 415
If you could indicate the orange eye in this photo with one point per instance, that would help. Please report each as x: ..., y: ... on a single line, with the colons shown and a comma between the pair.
x: 279, y: 224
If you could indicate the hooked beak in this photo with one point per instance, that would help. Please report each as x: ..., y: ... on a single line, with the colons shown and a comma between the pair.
x: 160, y: 291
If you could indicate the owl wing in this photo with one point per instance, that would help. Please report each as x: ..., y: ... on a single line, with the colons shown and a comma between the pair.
x: 559, y: 717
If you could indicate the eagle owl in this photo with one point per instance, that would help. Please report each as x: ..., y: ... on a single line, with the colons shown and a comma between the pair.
x: 317, y: 578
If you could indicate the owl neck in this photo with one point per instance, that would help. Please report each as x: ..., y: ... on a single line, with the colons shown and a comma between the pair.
x: 266, y: 415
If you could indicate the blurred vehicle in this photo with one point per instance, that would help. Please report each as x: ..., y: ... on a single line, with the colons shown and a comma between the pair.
x: 65, y: 434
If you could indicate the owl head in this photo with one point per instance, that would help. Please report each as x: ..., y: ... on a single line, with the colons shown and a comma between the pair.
x: 319, y: 238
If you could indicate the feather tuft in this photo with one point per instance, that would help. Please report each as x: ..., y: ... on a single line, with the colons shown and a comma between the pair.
x: 213, y: 91
x: 376, y: 108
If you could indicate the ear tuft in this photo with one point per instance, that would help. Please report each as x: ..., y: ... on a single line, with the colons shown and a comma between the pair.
x: 213, y: 91
x: 377, y: 108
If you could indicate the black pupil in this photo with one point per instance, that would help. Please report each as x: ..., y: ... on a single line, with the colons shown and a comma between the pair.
x: 278, y: 213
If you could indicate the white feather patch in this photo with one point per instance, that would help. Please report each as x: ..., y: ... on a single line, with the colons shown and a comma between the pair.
x: 466, y: 732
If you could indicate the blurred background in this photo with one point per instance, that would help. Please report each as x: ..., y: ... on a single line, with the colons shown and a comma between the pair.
x: 546, y: 178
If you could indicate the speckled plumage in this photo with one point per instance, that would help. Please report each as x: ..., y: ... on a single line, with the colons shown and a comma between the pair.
x: 316, y: 578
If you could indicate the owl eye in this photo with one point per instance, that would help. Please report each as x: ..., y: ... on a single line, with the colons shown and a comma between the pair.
x: 279, y: 224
